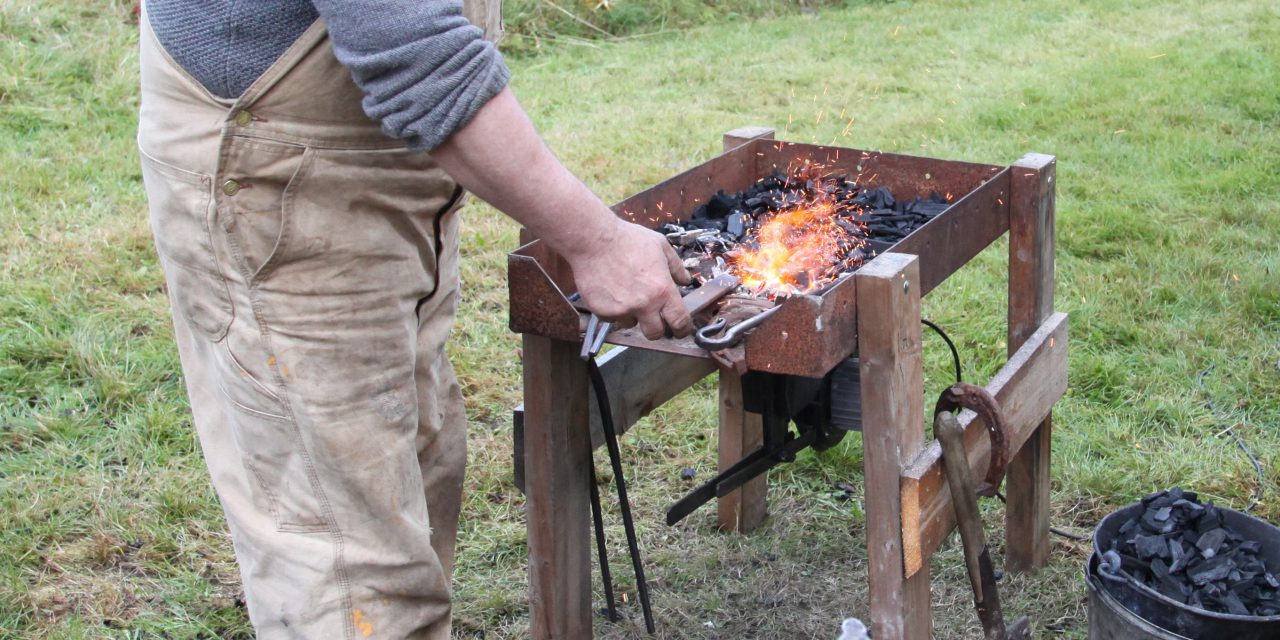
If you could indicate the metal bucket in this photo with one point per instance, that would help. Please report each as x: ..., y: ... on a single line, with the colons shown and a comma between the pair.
x: 1109, y: 620
x: 1166, y: 616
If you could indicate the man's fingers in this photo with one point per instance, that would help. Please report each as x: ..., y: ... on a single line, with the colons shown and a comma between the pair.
x: 676, y: 316
x: 676, y: 265
x: 651, y: 325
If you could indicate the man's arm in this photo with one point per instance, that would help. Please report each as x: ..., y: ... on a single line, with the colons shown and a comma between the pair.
x: 623, y: 270
x: 431, y: 80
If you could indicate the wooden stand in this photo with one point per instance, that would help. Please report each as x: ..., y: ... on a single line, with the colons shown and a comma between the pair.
x: 908, y: 508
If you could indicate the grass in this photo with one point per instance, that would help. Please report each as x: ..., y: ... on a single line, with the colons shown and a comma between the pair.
x: 1165, y: 118
x: 533, y: 26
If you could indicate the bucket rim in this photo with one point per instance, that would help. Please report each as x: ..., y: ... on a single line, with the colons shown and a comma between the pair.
x: 1095, y: 585
x: 1156, y: 595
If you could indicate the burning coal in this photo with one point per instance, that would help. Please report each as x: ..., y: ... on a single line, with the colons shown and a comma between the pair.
x: 795, y: 234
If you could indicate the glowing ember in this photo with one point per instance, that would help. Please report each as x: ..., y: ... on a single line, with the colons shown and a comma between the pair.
x: 797, y: 250
x: 796, y: 232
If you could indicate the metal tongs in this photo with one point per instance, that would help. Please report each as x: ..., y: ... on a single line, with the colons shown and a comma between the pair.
x: 593, y: 341
x: 706, y: 338
x: 591, y: 344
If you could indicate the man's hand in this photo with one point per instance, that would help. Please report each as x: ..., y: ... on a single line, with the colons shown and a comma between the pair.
x: 628, y: 275
x: 624, y: 271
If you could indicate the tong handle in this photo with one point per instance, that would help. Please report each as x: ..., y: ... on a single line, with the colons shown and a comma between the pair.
x: 733, y: 335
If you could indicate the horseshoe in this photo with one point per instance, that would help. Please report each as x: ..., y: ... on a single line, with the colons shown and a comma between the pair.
x: 975, y: 398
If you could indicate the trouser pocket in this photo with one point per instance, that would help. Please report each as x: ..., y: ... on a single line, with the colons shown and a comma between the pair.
x: 267, y: 437
x: 181, y: 210
x: 259, y: 217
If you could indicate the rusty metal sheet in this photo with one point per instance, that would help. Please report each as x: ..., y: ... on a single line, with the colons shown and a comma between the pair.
x: 537, y: 305
x: 960, y: 233
x: 676, y: 198
x: 811, y: 333
x: 906, y: 176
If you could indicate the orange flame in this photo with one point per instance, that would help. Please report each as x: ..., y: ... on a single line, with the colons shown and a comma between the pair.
x: 798, y: 250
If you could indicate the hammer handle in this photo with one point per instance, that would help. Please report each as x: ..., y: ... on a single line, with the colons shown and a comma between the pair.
x: 964, y: 499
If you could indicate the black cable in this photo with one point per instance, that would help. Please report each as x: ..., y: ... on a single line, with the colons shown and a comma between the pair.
x: 597, y: 519
x: 615, y: 459
x: 1208, y: 401
x: 955, y: 355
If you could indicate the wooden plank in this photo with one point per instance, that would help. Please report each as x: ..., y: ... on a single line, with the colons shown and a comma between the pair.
x: 557, y: 459
x: 1026, y: 389
x: 1031, y: 246
x: 638, y: 381
x: 888, y: 291
x: 741, y: 432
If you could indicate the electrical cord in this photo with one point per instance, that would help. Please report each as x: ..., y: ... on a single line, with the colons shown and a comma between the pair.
x: 1208, y: 401
x: 955, y: 355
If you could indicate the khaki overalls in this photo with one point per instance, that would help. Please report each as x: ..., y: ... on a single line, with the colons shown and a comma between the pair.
x: 312, y: 265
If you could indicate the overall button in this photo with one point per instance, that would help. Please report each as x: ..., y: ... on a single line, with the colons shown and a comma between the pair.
x: 244, y: 118
x: 231, y: 187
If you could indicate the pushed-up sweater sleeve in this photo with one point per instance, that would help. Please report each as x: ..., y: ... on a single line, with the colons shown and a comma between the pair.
x: 425, y: 71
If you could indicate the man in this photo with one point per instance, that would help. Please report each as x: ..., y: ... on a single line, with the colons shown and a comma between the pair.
x: 304, y: 160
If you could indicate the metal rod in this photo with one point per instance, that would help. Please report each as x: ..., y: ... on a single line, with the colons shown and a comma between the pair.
x: 597, y: 519
x: 615, y: 459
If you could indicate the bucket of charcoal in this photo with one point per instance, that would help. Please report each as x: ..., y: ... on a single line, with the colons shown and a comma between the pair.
x: 1172, y: 567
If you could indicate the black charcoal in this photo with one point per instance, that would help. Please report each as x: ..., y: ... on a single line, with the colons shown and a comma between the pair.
x: 1184, y: 550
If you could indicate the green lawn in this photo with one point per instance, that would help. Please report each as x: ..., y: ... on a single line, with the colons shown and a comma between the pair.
x: 1164, y: 116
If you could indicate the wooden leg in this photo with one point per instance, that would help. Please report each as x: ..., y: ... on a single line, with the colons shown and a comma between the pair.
x: 557, y: 454
x: 743, y: 135
x: 888, y: 290
x: 1031, y: 246
x: 740, y: 433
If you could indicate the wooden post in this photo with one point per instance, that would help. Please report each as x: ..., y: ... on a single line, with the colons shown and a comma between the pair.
x: 743, y: 135
x: 557, y: 459
x: 486, y: 14
x: 888, y: 293
x: 1031, y: 245
x: 740, y: 433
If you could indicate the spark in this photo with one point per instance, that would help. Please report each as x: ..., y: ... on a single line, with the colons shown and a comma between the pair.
x: 1119, y: 131
x: 1158, y: 55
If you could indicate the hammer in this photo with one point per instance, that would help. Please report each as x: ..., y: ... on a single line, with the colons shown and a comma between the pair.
x: 977, y: 559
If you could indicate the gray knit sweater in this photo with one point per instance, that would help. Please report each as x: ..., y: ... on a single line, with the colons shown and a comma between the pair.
x: 424, y: 69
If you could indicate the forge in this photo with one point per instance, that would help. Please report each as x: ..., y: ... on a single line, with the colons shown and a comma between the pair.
x: 831, y: 350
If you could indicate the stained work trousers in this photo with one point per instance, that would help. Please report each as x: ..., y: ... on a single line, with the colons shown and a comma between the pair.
x: 311, y: 263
